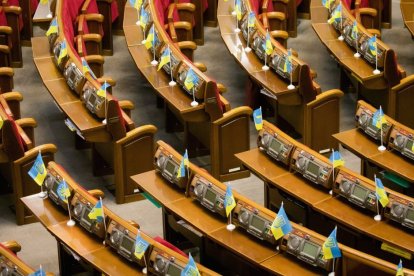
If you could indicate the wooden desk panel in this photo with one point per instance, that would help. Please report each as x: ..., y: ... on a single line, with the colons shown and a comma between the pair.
x: 273, y: 83
x: 340, y: 50
x: 108, y: 262
x: 46, y: 211
x: 38, y: 47
x: 227, y: 24
x: 300, y: 188
x: 130, y: 16
x: 325, y: 32
x: 60, y: 91
x: 286, y: 265
x: 143, y: 58
x: 357, y: 142
x: 82, y: 118
x: 393, y: 234
x: 133, y: 35
x: 261, y: 165
x: 157, y: 80
x: 41, y: 13
x: 346, y: 214
x: 154, y: 184
x: 394, y: 162
x: 225, y: 8
x: 76, y: 238
x: 320, y: 14
x: 243, y: 244
x: 361, y: 68
x: 407, y: 11
x: 47, y: 68
x: 199, y: 216
x: 410, y: 26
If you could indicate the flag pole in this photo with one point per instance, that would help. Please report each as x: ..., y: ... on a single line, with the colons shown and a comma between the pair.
x: 104, y: 120
x: 42, y: 193
x: 194, y: 103
x: 376, y: 71
x: 381, y: 147
x: 265, y: 67
x: 138, y: 16
x: 49, y: 15
x: 230, y: 226
x: 248, y: 49
x: 333, y: 171
x: 145, y: 38
x: 172, y: 82
x: 357, y: 55
x: 70, y: 222
x: 291, y: 86
x: 154, y: 61
x: 377, y: 216
x: 145, y: 269
x: 237, y: 30
x: 234, y: 10
x: 333, y: 268
x: 341, y: 37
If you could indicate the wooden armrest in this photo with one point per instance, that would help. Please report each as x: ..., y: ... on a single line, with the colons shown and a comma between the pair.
x: 368, y: 11
x: 96, y: 193
x: 170, y: 15
x: 233, y: 113
x: 85, y: 6
x: 32, y: 153
x: 187, y: 45
x: 313, y: 73
x: 183, y: 25
x: 279, y: 34
x: 26, y: 122
x: 95, y: 58
x: 407, y: 81
x: 333, y: 93
x: 225, y: 102
x: 8, y: 71
x: 221, y: 88
x: 134, y: 223
x: 126, y: 105
x: 13, y: 9
x: 6, y: 30
x: 276, y: 15
x: 173, y: 33
x: 200, y: 66
x: 402, y: 71
x: 375, y: 32
x: 137, y: 132
x: 282, y: 1
x: 13, y: 246
x: 108, y: 80
x: 264, y: 6
x: 186, y: 7
x: 80, y: 20
x: 12, y: 96
x: 5, y: 49
x: 317, y: 87
x: 265, y: 20
x: 92, y: 37
x: 94, y: 17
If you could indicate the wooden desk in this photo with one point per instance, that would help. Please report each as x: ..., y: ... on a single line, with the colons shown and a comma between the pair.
x: 407, y: 11
x: 77, y: 239
x: 214, y: 227
x: 367, y: 149
x: 41, y: 13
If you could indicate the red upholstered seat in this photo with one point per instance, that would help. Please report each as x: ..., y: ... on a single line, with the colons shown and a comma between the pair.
x: 170, y: 246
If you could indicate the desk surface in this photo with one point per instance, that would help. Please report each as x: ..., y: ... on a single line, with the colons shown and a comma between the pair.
x: 364, y: 147
x: 407, y: 11
x: 41, y: 12
x: 78, y: 239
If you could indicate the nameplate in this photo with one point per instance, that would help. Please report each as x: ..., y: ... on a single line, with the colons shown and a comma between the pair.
x: 70, y: 125
x: 324, y: 151
x: 396, y: 251
x: 234, y: 169
x: 210, y: 100
x: 266, y: 92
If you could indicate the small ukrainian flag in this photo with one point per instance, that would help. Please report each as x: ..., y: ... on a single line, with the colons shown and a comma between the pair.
x: 38, y: 171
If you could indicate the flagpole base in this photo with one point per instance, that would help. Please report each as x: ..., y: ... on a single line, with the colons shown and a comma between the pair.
x: 172, y: 83
x: 291, y: 87
x: 138, y: 22
x: 71, y: 223
x: 145, y: 270
x: 376, y: 72
x: 331, y: 192
x: 340, y: 38
x: 377, y: 218
x: 230, y: 227
x: 247, y: 49
x: 357, y: 55
x: 104, y: 121
x: 237, y: 30
x: 233, y: 13
x: 382, y: 148
x: 331, y: 273
x: 194, y: 103
x: 42, y: 194
x: 144, y: 41
x: 265, y: 67
x: 154, y: 62
x: 49, y: 15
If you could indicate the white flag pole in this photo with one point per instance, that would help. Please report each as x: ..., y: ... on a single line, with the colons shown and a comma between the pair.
x: 172, y: 82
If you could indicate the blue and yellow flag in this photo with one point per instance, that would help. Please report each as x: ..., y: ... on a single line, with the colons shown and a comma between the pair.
x: 63, y: 51
x: 267, y: 45
x: 86, y: 68
x: 191, y: 79
x: 143, y: 18
x: 336, y: 159
x: 281, y: 225
x: 97, y: 212
x: 63, y: 191
x: 372, y: 45
x: 152, y: 38
x: 258, y: 118
x: 400, y: 271
x: 380, y: 192
x: 136, y: 3
x: 165, y: 58
x: 336, y: 15
x: 379, y: 118
x: 238, y: 10
x: 141, y: 246
x: 190, y: 269
x: 287, y: 68
x: 229, y: 202
x: 251, y: 19
x: 327, y: 3
x: 330, y: 248
x: 53, y: 27
x: 1, y: 122
x: 44, y: 2
x: 184, y: 163
x: 354, y: 31
x: 39, y: 272
x: 38, y: 171
x: 102, y: 90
